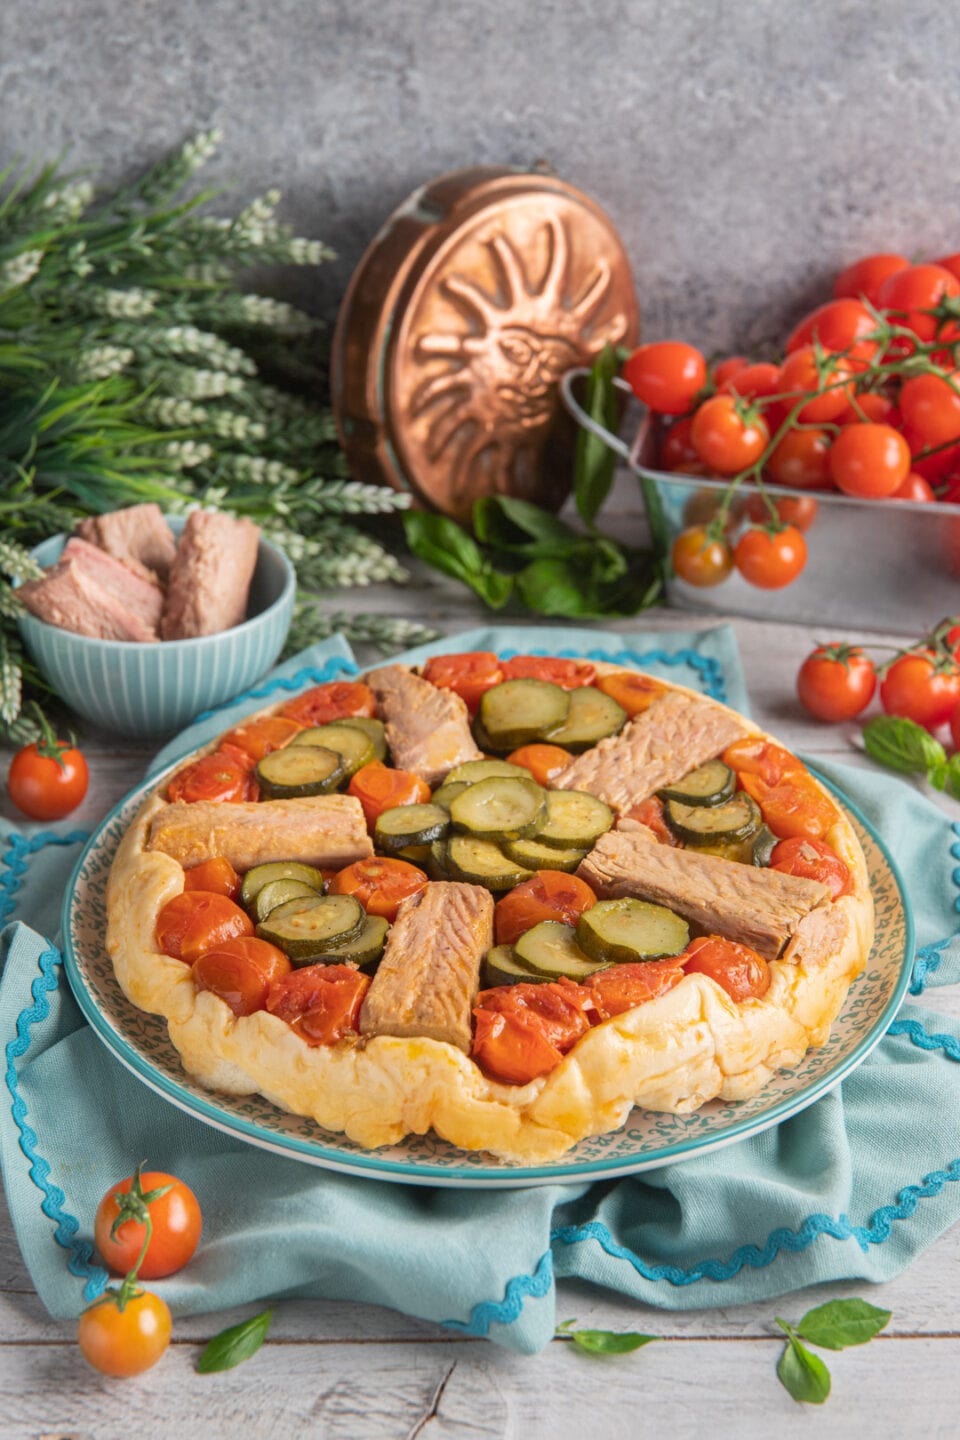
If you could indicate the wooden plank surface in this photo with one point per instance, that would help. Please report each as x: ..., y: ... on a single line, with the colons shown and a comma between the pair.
x: 341, y: 1370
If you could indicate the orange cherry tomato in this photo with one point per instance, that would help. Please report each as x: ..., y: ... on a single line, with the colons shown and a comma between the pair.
x: 812, y: 859
x: 770, y: 559
x: 931, y: 408
x: 870, y: 406
x: 795, y: 806
x: 726, y: 439
x: 915, y: 488
x: 378, y: 787
x: 321, y: 1002
x: 921, y: 688
x: 549, y: 895
x: 666, y: 375
x: 700, y: 557
x: 568, y: 674
x: 829, y: 394
x: 624, y: 987
x: 650, y: 812
x: 512, y: 1048
x: 914, y: 291
x: 128, y: 1341
x: 801, y: 460
x: 337, y: 700
x: 240, y: 972
x: 753, y: 382
x: 216, y: 778
x: 47, y: 779
x: 797, y: 510
x: 563, y: 1008
x: 543, y: 761
x: 380, y: 885
x: 842, y: 324
x: 259, y: 737
x: 175, y: 1222
x: 737, y: 969
x: 868, y: 460
x: 836, y: 682
x: 469, y: 675
x: 862, y: 280
x: 242, y: 760
x: 196, y: 921
x: 753, y: 756
x: 634, y: 692
x: 216, y: 876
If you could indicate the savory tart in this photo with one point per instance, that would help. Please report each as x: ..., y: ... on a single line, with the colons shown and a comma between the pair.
x: 505, y: 900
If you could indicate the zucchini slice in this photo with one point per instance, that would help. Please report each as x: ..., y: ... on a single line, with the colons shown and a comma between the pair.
x: 483, y: 739
x: 354, y: 746
x: 517, y: 712
x: 404, y: 825
x: 592, y: 716
x: 764, y: 843
x: 542, y: 857
x: 373, y: 729
x: 574, y: 819
x: 505, y: 807
x: 710, y: 784
x: 299, y: 771
x: 551, y: 950
x: 307, y: 927
x: 363, y: 951
x: 276, y: 892
x: 501, y: 967
x: 627, y: 930
x: 739, y: 850
x: 418, y: 855
x: 473, y: 770
x: 447, y: 792
x: 438, y: 867
x: 481, y: 862
x: 259, y: 875
x: 723, y: 824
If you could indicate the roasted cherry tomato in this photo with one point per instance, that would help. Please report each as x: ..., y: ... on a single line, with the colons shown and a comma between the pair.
x: 794, y: 806
x: 700, y: 557
x: 379, y: 885
x: 563, y: 1008
x: 812, y: 859
x: 378, y: 787
x: 737, y: 969
x: 843, y: 324
x: 913, y: 291
x: 666, y: 376
x: 753, y: 756
x: 128, y: 1341
x: 727, y: 436
x: 568, y: 674
x: 828, y: 385
x: 550, y: 895
x: 469, y: 675
x: 543, y: 761
x: 175, y: 1222
x: 337, y: 700
x: 836, y: 682
x: 770, y: 559
x: 512, y: 1048
x: 321, y: 1002
x: 196, y: 921
x: 650, y: 812
x: 931, y: 407
x: 871, y: 461
x: 240, y: 972
x: 633, y: 691
x: 922, y: 689
x: 802, y: 460
x: 797, y: 510
x: 624, y: 987
x: 862, y: 280
x: 259, y: 737
x: 217, y: 778
x: 216, y: 876
x: 48, y: 778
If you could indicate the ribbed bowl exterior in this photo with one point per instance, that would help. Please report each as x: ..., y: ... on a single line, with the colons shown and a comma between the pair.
x: 149, y: 690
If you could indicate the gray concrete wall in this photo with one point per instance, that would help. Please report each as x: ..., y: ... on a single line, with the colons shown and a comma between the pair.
x: 745, y: 148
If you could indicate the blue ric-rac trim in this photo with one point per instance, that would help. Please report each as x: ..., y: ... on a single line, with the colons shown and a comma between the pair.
x: 14, y: 862
x: 706, y: 667
x: 338, y: 665
x: 923, y: 1039
x: 507, y: 1310
x: 80, y: 1252
x: 926, y: 964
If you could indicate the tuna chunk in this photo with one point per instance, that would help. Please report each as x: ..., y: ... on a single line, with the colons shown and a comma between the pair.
x: 134, y: 587
x: 325, y: 830
x: 428, y: 979
x: 760, y: 908
x: 70, y: 598
x: 138, y: 535
x: 428, y: 730
x: 658, y: 747
x: 210, y: 577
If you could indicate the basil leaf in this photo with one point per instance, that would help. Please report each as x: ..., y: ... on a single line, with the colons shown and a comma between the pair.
x: 840, y: 1323
x: 609, y: 1342
x: 600, y: 580
x: 236, y: 1344
x: 521, y: 528
x: 952, y: 776
x: 448, y: 547
x: 802, y: 1374
x: 594, y: 462
x: 901, y: 744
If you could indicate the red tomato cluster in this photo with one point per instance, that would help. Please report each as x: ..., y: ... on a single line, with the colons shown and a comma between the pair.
x: 866, y: 400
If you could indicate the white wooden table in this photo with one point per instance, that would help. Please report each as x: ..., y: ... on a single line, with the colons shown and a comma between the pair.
x: 351, y: 1372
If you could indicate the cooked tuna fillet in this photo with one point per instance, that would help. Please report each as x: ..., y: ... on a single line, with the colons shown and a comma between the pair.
x: 71, y: 599
x: 428, y: 979
x: 138, y: 535
x: 818, y: 936
x: 428, y: 730
x: 760, y: 908
x: 325, y: 830
x: 658, y: 747
x: 137, y: 589
x: 210, y: 577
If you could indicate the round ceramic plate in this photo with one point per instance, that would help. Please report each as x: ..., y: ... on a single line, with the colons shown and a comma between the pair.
x: 648, y: 1139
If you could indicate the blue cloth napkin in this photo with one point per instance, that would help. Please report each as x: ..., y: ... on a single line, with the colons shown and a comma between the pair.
x: 851, y: 1188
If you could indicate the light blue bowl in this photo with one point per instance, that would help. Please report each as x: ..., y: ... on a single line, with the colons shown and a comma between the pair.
x: 156, y: 689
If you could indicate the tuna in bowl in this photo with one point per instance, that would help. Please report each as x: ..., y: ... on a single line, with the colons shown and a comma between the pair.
x: 151, y: 688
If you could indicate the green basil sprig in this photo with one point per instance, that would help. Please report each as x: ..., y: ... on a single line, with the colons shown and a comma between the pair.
x: 235, y: 1344
x: 837, y: 1325
x: 903, y: 745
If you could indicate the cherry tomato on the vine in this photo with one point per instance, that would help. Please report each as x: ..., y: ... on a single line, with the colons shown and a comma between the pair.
x: 922, y: 689
x: 871, y: 405
x: 677, y: 450
x: 175, y: 1219
x: 838, y: 325
x: 666, y: 376
x: 47, y: 779
x: 770, y: 559
x: 802, y: 460
x: 125, y: 1342
x: 753, y: 382
x: 836, y: 682
x: 864, y: 277
x: 724, y: 369
x: 931, y: 407
x: 915, y: 487
x: 955, y: 726
x: 914, y: 291
x: 701, y: 558
x: 798, y: 510
x: 728, y: 436
x: 829, y: 385
x: 871, y: 461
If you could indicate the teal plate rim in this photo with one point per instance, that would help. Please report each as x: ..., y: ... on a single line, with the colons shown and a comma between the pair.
x: 412, y: 1172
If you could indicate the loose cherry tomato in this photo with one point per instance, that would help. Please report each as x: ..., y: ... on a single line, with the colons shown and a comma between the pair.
x: 862, y: 280
x: 701, y: 558
x: 321, y: 1003
x: 379, y: 885
x: 175, y: 1222
x: 666, y: 376
x: 216, y: 876
x: 512, y: 1048
x: 216, y: 778
x: 379, y: 788
x: 728, y: 436
x: 802, y: 460
x: 841, y: 324
x: 549, y: 895
x: 770, y: 559
x: 726, y: 369
x: 259, y: 737
x: 543, y: 761
x: 562, y: 1008
x: 931, y: 407
x: 836, y: 682
x: 469, y: 675
x: 737, y: 969
x: 797, y: 510
x: 196, y: 921
x: 914, y: 488
x: 568, y: 674
x: 754, y: 756
x: 624, y: 987
x: 754, y: 382
x: 48, y: 778
x: 650, y: 812
x: 128, y: 1341
x: 922, y: 689
x: 915, y: 290
x: 240, y: 972
x: 795, y: 806
x: 337, y: 700
x: 812, y: 860
x: 633, y: 691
